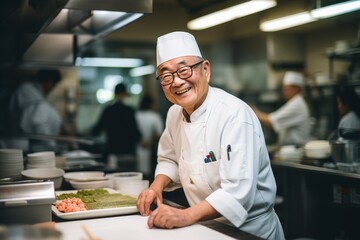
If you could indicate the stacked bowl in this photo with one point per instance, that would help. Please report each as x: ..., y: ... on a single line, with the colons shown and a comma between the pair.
x: 11, y: 163
x: 41, y: 166
x: 41, y: 160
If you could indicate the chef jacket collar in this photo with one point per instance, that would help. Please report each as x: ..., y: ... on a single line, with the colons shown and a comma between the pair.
x: 199, y: 113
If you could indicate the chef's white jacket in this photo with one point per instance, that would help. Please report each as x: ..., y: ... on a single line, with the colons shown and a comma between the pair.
x: 242, y: 183
x: 30, y: 112
x: 292, y: 122
x: 151, y: 126
x: 350, y: 121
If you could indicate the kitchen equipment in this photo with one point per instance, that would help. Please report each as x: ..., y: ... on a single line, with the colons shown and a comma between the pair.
x: 338, y: 150
x: 26, y: 203
x: 25, y: 232
x: 52, y: 174
x: 317, y: 149
x: 345, y: 150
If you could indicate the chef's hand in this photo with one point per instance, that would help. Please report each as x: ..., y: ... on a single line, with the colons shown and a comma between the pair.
x: 145, y: 199
x: 169, y: 217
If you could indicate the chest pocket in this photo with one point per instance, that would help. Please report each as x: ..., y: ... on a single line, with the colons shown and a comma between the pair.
x: 234, y: 163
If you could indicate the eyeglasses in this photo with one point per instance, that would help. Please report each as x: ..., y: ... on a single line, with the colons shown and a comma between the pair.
x: 184, y: 72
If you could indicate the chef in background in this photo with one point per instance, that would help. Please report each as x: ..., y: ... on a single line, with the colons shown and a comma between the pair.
x: 212, y: 146
x: 348, y: 103
x: 291, y: 121
x: 118, y: 122
x: 151, y: 126
x: 31, y: 113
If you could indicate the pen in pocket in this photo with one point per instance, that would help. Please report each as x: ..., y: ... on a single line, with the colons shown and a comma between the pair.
x: 228, y: 151
x: 212, y: 156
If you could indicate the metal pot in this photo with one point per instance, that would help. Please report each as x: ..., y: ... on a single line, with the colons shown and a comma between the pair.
x: 338, y: 151
x: 345, y: 151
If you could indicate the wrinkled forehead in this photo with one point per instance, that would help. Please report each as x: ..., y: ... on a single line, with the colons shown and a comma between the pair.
x: 174, y: 64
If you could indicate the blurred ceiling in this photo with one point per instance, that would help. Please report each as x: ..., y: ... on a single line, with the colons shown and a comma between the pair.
x: 139, y: 37
x: 172, y: 15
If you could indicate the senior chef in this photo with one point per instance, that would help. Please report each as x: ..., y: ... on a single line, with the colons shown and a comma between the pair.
x: 291, y: 121
x: 213, y: 146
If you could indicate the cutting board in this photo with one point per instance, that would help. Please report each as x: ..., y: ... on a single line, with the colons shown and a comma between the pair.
x: 133, y: 227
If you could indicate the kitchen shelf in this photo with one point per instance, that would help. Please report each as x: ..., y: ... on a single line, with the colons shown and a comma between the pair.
x: 345, y: 55
x: 350, y: 55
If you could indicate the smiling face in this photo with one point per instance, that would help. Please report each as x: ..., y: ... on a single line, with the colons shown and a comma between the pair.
x: 188, y: 93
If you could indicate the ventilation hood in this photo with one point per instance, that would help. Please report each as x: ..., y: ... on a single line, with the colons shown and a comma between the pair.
x: 50, y: 32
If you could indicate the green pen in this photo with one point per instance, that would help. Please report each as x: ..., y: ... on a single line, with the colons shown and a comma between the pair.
x: 212, y: 156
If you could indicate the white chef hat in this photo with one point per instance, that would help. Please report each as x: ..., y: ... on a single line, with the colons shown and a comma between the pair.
x: 176, y: 44
x: 293, y: 78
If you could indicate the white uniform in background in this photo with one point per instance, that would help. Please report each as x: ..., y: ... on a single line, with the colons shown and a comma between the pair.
x: 151, y: 126
x: 30, y: 112
x: 292, y: 122
x: 349, y: 121
x: 240, y: 184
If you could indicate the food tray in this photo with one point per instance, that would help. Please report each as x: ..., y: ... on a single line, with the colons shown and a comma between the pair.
x: 106, y: 212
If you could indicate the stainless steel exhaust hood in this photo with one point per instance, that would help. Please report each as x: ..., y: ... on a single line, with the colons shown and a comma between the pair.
x: 61, y: 28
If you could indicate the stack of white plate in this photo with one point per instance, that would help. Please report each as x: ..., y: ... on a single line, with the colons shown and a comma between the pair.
x: 291, y: 153
x: 11, y: 163
x: 87, y: 179
x: 41, y: 160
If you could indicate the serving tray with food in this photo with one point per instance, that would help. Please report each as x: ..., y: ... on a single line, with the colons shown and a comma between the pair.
x: 91, y: 203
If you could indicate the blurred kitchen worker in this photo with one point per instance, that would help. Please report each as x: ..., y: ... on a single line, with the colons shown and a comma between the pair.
x: 212, y: 146
x: 121, y: 130
x: 31, y: 113
x: 348, y: 103
x: 291, y: 121
x: 151, y: 126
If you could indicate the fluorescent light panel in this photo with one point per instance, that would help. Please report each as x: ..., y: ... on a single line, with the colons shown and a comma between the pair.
x: 307, y: 17
x: 230, y: 14
x: 109, y: 62
x: 336, y: 9
x: 142, y: 71
x: 287, y: 22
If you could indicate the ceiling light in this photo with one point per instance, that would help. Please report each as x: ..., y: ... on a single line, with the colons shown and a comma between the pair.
x: 109, y: 62
x: 336, y: 9
x: 287, y: 22
x: 230, y: 14
x: 141, y: 71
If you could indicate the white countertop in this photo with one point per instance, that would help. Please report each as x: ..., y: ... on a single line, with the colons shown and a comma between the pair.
x: 133, y: 227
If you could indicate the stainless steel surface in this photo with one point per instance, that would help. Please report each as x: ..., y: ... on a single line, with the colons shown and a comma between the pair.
x: 26, y: 203
x: 139, y: 6
x: 60, y: 139
x: 31, y: 193
x: 27, y: 28
x: 23, y: 232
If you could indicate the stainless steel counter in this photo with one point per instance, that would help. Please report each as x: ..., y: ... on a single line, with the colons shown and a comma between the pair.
x: 318, y: 202
x: 314, y: 169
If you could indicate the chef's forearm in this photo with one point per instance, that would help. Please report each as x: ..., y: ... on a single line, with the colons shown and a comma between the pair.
x: 202, y: 212
x: 160, y: 182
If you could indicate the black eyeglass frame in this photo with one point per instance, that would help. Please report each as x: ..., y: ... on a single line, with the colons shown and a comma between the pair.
x: 177, y: 73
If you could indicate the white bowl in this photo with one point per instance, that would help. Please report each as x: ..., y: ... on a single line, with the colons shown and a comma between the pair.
x: 89, y: 184
x: 318, y: 149
x: 85, y: 176
x: 121, y: 176
x: 53, y: 174
x: 131, y: 187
